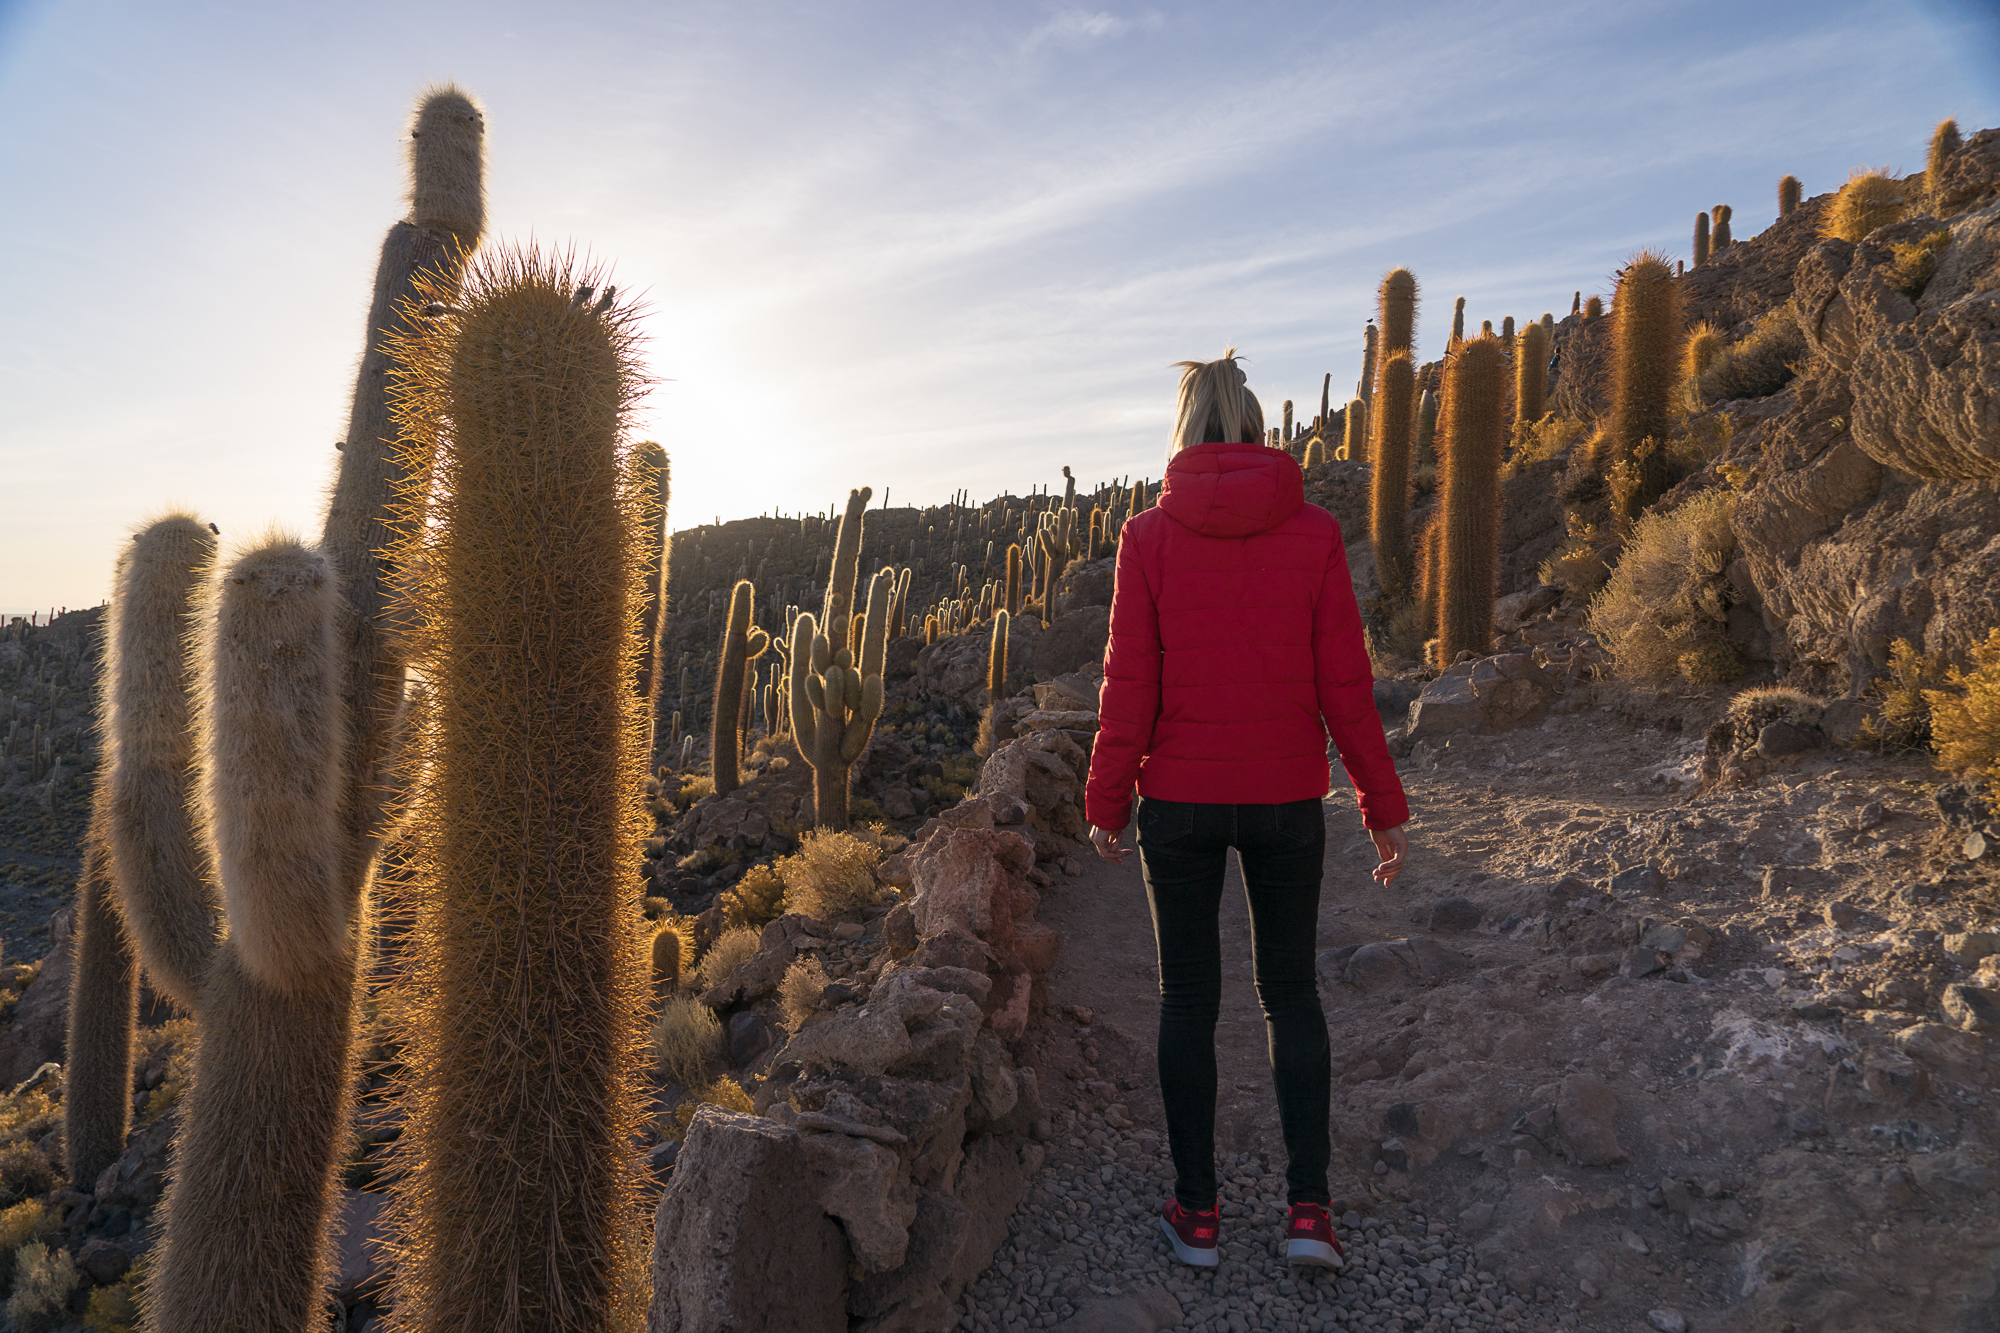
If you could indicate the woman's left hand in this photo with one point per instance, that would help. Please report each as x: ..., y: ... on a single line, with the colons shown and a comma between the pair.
x: 1109, y: 844
x: 1393, y: 846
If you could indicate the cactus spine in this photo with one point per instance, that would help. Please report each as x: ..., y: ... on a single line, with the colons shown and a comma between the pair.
x: 1389, y: 484
x: 525, y: 1047
x: 1646, y: 368
x: 742, y: 643
x: 835, y: 699
x: 1788, y: 195
x: 1355, y: 441
x: 1700, y: 239
x: 1469, y: 500
x: 103, y: 1001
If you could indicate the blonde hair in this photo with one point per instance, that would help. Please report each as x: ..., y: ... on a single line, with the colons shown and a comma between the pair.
x: 1216, y: 404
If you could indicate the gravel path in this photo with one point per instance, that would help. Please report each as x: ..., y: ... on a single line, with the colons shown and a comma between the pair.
x: 1088, y: 1231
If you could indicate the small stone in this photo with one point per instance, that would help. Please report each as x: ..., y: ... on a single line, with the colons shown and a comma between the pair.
x: 1781, y: 738
x: 1972, y: 1008
x: 1841, y: 915
x: 103, y: 1260
x: 1477, y: 1216
x: 1635, y: 1242
x: 749, y: 1036
x: 1641, y: 961
x: 1967, y: 947
x: 1671, y: 1321
x: 847, y: 930
x: 1072, y: 867
x: 1666, y: 937
x: 1453, y: 915
x: 1637, y: 879
x: 1974, y: 845
x: 1587, y: 1287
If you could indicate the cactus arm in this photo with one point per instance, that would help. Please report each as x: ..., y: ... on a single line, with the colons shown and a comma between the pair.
x: 725, y: 742
x: 802, y: 683
x: 103, y: 1002
x: 846, y: 562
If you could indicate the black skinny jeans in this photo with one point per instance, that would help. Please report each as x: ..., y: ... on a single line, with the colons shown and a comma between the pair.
x: 1183, y: 849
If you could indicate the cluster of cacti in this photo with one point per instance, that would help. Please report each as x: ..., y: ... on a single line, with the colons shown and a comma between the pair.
x: 1719, y: 232
x: 248, y: 762
x: 1646, y: 342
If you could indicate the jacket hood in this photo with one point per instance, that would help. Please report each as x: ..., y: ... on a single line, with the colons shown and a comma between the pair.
x: 1232, y: 490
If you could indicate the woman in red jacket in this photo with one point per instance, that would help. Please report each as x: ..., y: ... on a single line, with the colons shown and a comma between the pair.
x: 1235, y: 650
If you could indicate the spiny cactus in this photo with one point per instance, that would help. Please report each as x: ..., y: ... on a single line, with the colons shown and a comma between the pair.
x: 1287, y: 429
x: 1868, y: 200
x: 1389, y: 484
x: 1427, y: 420
x: 1703, y: 345
x: 1531, y: 377
x: 742, y: 643
x: 1576, y: 303
x: 1354, y: 442
x: 1458, y: 322
x: 1720, y: 231
x: 1701, y: 238
x: 1469, y: 497
x: 1013, y: 579
x: 103, y: 1002
x: 1365, y: 390
x: 525, y: 1041
x: 1788, y: 195
x: 1069, y: 489
x: 996, y: 689
x: 1945, y: 141
x: 1486, y: 328
x: 1507, y: 332
x: 669, y: 954
x: 1396, y: 311
x: 1315, y: 452
x: 653, y: 464
x: 836, y: 698
x: 1646, y: 371
x: 1593, y: 308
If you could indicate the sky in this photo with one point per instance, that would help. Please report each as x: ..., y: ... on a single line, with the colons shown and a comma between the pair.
x: 919, y: 246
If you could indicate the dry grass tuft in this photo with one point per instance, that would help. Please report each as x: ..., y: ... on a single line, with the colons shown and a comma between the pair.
x: 730, y: 951
x: 1870, y: 199
x: 1537, y: 441
x: 1757, y: 365
x: 831, y: 875
x: 1965, y: 715
x: 686, y: 1036
x: 1916, y: 262
x: 1902, y: 721
x: 724, y: 1092
x: 44, y: 1277
x: 25, y: 1222
x: 800, y: 990
x: 1662, y: 612
x: 757, y: 898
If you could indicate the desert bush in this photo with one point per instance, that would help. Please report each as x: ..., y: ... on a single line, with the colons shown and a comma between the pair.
x: 1901, y: 721
x: 724, y: 1092
x: 693, y: 786
x: 686, y: 1036
x: 1582, y: 564
x: 1870, y: 199
x: 25, y: 1171
x: 730, y: 951
x: 831, y: 875
x: 175, y: 1040
x: 1965, y: 715
x: 1537, y: 441
x: 756, y: 898
x: 21, y: 1224
x: 800, y: 990
x: 1706, y: 436
x: 43, y: 1279
x: 707, y: 860
x: 28, y: 1115
x: 1666, y: 599
x: 1916, y: 262
x: 113, y: 1309
x: 1756, y: 365
x: 654, y: 909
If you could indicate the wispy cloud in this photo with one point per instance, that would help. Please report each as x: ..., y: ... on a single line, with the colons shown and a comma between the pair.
x: 1080, y: 27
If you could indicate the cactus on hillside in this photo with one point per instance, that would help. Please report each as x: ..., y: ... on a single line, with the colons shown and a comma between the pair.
x: 1700, y: 238
x: 836, y: 697
x: 1365, y: 390
x: 1469, y: 442
x: 1704, y: 343
x: 1720, y: 231
x: 1286, y: 432
x: 996, y: 689
x: 1354, y: 442
x: 1646, y: 342
x: 525, y: 1041
x: 1425, y: 448
x: 1576, y: 303
x: 1457, y: 322
x: 103, y: 1003
x: 1531, y: 377
x: 1507, y: 332
x: 1788, y: 195
x: 1013, y: 579
x: 1945, y: 141
x: 742, y: 643
x: 1396, y: 311
x: 1868, y: 200
x: 1389, y: 483
x: 1593, y: 308
x: 658, y: 472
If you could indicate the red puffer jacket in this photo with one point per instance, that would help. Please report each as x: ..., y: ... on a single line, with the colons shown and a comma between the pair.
x: 1235, y: 648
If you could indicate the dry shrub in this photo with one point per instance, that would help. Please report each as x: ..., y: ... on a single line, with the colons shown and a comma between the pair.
x: 43, y: 1279
x: 26, y: 1221
x: 800, y: 990
x: 706, y: 860
x: 693, y: 786
x: 1663, y: 611
x: 757, y: 898
x: 724, y: 1092
x: 730, y: 951
x: 1706, y: 437
x: 1965, y: 715
x: 1870, y: 199
x: 1757, y: 365
x: 1582, y: 564
x: 25, y: 1171
x: 1901, y: 721
x: 831, y: 875
x: 1916, y: 262
x: 686, y: 1036
x: 113, y: 1309
x: 1537, y: 441
x: 27, y: 1115
x: 174, y: 1040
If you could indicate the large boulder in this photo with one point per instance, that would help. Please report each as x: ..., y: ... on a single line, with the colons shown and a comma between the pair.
x: 1072, y: 641
x: 39, y: 1032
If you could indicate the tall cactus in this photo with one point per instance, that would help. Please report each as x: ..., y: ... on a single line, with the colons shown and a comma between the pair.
x: 657, y: 472
x: 1646, y: 370
x: 1788, y: 195
x: 1425, y: 450
x: 1720, y: 231
x: 1700, y: 239
x: 517, y: 1197
x: 264, y: 1122
x: 1355, y: 440
x: 1593, y: 308
x: 996, y: 686
x: 1286, y: 433
x: 1389, y: 484
x: 1014, y: 579
x: 1396, y: 311
x: 1469, y: 500
x: 103, y: 1002
x: 1945, y: 141
x: 1370, y: 349
x: 1531, y: 376
x: 838, y: 607
x: 742, y: 643
x: 1457, y: 322
x: 836, y: 698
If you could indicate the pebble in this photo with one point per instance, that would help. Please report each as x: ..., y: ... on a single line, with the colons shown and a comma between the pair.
x: 1088, y: 1229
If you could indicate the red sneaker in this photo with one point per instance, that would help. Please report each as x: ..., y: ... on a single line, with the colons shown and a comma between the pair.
x: 1191, y: 1234
x: 1309, y: 1237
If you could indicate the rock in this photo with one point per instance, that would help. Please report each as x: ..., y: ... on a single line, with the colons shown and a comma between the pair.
x: 1372, y: 968
x: 1665, y: 937
x: 1667, y: 1321
x: 1145, y: 1311
x: 1516, y: 607
x: 1894, y: 1079
x: 1967, y: 947
x: 359, y: 1270
x: 863, y: 1184
x: 1477, y: 1216
x: 1780, y: 738
x: 1954, y: 1055
x: 1447, y: 705
x: 1072, y: 640
x: 1971, y: 1007
x: 662, y: 1157
x: 899, y: 930
x: 897, y: 801
x: 916, y: 1296
x: 39, y: 1023
x: 1640, y: 961
x: 737, y: 1244
x: 103, y: 1260
x: 1636, y: 879
x: 749, y: 1037
x: 1969, y: 177
x: 1394, y: 695
x: 1841, y: 915
x: 1955, y: 1175
x: 1453, y: 915
x: 1586, y: 1109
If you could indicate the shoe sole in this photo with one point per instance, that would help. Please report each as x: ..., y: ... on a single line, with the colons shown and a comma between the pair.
x: 1315, y: 1253
x: 1185, y: 1252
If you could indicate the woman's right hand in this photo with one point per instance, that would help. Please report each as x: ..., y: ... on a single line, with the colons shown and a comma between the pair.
x: 1393, y: 846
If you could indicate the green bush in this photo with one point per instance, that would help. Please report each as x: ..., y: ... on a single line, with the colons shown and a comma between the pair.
x: 1664, y: 609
